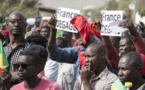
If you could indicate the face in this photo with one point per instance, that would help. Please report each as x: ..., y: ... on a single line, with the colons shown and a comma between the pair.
x: 45, y: 32
x: 16, y: 25
x: 126, y: 71
x: 92, y: 59
x: 67, y: 36
x: 124, y: 47
x: 26, y: 67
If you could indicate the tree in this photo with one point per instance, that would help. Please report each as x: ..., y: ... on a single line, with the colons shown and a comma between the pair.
x: 123, y: 5
x: 27, y: 7
x: 112, y: 5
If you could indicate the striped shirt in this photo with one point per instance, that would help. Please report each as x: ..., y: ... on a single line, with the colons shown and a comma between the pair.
x: 13, y: 54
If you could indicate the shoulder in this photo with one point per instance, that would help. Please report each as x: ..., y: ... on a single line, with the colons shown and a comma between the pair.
x: 110, y: 77
x: 18, y: 86
x: 51, y: 84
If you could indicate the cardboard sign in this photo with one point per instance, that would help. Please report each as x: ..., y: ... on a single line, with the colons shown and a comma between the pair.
x: 108, y: 18
x: 64, y: 16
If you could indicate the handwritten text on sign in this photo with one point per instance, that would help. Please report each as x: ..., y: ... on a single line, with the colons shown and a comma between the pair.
x: 109, y: 17
x: 64, y: 16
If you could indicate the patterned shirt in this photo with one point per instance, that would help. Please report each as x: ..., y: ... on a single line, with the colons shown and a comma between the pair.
x: 13, y: 54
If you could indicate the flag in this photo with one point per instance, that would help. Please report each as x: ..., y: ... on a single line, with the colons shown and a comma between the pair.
x: 117, y: 85
x: 3, y: 59
x: 57, y: 33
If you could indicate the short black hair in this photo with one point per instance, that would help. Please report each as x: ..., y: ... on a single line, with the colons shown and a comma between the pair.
x: 37, y: 39
x: 135, y: 58
x: 128, y: 39
x: 35, y: 56
x: 46, y: 27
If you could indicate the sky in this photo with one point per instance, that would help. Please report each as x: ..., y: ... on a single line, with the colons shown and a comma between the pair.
x: 74, y: 4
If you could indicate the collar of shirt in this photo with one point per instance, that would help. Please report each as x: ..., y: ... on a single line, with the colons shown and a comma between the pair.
x: 101, y: 75
x: 22, y: 43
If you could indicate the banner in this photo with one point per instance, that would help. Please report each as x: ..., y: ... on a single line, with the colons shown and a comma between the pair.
x: 64, y: 16
x: 110, y: 22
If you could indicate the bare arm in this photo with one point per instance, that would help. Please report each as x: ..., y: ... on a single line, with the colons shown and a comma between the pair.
x: 52, y: 36
x: 137, y: 40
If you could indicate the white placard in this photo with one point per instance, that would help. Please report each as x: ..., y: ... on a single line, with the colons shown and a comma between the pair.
x: 64, y: 16
x: 108, y: 18
x: 116, y: 30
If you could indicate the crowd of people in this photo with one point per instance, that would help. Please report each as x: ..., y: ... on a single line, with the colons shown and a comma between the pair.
x: 39, y: 60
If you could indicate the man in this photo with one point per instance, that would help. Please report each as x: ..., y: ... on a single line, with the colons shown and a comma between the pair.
x: 28, y: 66
x: 95, y: 75
x: 70, y: 55
x: 45, y: 32
x: 16, y: 25
x: 68, y: 37
x: 126, y: 45
x: 15, y: 44
x: 130, y: 70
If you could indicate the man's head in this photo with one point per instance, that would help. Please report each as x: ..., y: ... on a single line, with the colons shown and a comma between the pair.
x: 126, y: 45
x: 16, y: 24
x: 28, y: 64
x: 62, y: 43
x: 95, y: 55
x: 130, y: 67
x: 67, y: 36
x: 45, y: 31
x: 42, y: 52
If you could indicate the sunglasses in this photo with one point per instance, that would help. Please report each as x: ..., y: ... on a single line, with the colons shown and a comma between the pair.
x: 24, y: 66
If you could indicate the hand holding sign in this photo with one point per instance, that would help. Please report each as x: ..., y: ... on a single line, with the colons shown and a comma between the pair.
x: 52, y: 22
x: 64, y: 16
x: 97, y: 26
x: 109, y: 17
x: 130, y: 26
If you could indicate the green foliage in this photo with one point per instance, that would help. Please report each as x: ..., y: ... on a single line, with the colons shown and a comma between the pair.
x: 141, y: 11
x: 112, y: 5
x: 124, y: 5
x: 28, y: 7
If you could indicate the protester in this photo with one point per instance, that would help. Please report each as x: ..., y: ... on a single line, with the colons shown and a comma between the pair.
x: 70, y: 55
x: 68, y: 37
x: 28, y: 66
x: 16, y: 25
x: 45, y: 32
x: 130, y: 70
x: 95, y: 75
x: 15, y: 44
x: 111, y: 52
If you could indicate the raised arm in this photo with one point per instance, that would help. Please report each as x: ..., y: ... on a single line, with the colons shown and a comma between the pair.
x: 68, y: 55
x: 111, y: 53
x: 52, y: 36
x: 137, y: 39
